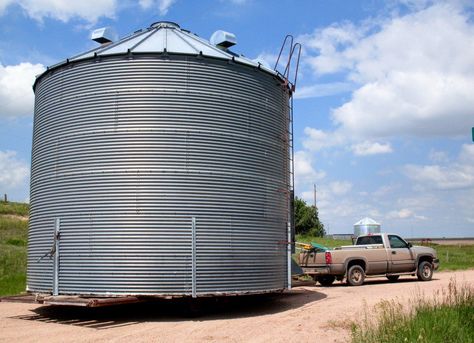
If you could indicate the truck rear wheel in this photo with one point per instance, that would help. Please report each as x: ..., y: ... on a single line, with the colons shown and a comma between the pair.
x: 425, y: 271
x: 355, y: 275
x: 326, y: 280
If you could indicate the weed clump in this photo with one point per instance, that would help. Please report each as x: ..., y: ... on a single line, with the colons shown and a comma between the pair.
x: 449, y: 317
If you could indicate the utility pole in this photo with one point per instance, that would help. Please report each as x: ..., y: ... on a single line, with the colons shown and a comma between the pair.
x: 314, y: 196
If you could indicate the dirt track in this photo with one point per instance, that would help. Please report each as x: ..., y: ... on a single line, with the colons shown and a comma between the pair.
x: 306, y: 314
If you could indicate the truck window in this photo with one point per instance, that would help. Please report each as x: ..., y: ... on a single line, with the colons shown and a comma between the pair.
x: 396, y: 242
x: 369, y: 240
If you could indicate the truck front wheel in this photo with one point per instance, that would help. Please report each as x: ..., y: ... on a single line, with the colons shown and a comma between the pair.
x: 425, y: 271
x: 355, y: 275
x: 326, y: 280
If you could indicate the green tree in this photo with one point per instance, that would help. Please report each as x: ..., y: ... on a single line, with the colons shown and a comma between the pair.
x: 307, y: 219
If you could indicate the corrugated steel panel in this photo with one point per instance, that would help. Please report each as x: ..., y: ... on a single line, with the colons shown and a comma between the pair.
x: 127, y: 150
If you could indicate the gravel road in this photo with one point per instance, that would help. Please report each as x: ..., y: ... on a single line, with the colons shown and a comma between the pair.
x: 305, y: 314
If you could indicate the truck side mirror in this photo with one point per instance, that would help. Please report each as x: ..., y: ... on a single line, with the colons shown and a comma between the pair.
x: 409, y: 245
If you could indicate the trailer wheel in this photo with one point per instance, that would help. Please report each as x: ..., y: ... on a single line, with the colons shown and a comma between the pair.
x: 355, y: 275
x: 326, y: 280
x: 425, y: 271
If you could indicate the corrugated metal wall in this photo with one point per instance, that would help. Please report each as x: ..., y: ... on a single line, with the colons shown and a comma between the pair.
x: 127, y: 150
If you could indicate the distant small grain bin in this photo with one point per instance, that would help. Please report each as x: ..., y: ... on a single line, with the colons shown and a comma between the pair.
x: 161, y: 165
x: 365, y: 226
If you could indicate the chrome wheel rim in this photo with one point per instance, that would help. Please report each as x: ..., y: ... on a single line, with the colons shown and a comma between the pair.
x: 426, y: 271
x: 356, y: 276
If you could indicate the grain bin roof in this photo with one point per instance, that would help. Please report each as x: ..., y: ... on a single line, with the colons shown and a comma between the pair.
x: 163, y: 38
x: 367, y: 221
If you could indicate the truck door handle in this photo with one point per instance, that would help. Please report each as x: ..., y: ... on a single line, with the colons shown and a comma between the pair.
x: 394, y: 252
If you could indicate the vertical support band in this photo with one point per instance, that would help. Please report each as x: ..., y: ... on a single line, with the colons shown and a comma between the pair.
x: 289, y: 255
x: 193, y: 259
x: 57, y: 225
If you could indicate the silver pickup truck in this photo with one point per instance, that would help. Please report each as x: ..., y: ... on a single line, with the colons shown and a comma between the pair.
x: 382, y: 254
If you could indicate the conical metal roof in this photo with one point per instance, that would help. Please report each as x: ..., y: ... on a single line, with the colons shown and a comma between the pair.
x: 165, y: 37
x: 366, y: 221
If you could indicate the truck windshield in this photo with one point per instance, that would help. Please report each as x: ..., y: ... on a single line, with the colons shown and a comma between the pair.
x: 369, y: 240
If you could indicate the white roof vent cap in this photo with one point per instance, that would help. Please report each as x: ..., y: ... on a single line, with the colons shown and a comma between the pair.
x: 223, y: 39
x: 104, y: 35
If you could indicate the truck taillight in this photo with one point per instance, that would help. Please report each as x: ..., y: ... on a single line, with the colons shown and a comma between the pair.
x: 328, y: 257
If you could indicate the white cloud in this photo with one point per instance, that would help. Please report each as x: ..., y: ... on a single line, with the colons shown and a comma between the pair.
x: 328, y: 43
x: 415, y: 72
x: 371, y: 148
x: 266, y: 59
x: 400, y: 214
x: 404, y: 213
x: 162, y: 5
x: 317, y: 139
x: 16, y: 93
x: 438, y: 156
x: 323, y: 89
x: 305, y: 174
x: 63, y: 10
x: 340, y: 187
x: 458, y: 175
x: 13, y: 171
x: 384, y: 191
x: 4, y: 4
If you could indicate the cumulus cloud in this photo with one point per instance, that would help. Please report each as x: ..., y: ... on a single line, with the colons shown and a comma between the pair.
x: 415, y: 72
x: 340, y: 187
x: 63, y: 10
x: 162, y: 5
x: 305, y: 174
x: 371, y: 148
x: 13, y: 171
x: 438, y: 156
x: 322, y: 89
x: 16, y: 93
x: 315, y: 139
x: 458, y: 175
x: 404, y: 213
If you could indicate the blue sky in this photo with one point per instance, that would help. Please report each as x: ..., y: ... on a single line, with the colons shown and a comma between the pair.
x: 383, y: 108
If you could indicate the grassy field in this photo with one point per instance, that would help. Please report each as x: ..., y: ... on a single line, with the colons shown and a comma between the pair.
x: 447, y: 318
x: 452, y: 257
x: 14, y: 208
x: 13, y: 239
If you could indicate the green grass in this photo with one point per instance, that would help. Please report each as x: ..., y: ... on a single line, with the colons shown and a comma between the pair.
x: 13, y: 240
x: 447, y: 318
x: 15, y: 208
x: 455, y: 257
x: 452, y: 257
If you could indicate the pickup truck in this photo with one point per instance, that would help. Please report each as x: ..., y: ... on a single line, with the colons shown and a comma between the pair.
x: 383, y: 254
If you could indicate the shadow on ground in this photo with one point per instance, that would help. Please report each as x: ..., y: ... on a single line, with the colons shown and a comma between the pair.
x: 377, y: 281
x: 200, y: 309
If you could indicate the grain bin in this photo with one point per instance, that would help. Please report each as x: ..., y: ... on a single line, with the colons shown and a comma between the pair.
x: 366, y: 226
x: 160, y: 166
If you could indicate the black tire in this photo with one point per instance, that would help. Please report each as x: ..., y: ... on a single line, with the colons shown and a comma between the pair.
x: 425, y: 271
x: 326, y: 280
x: 355, y: 275
x: 393, y: 278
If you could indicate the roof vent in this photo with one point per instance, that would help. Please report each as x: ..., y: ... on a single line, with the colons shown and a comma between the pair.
x: 104, y: 35
x: 223, y: 39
